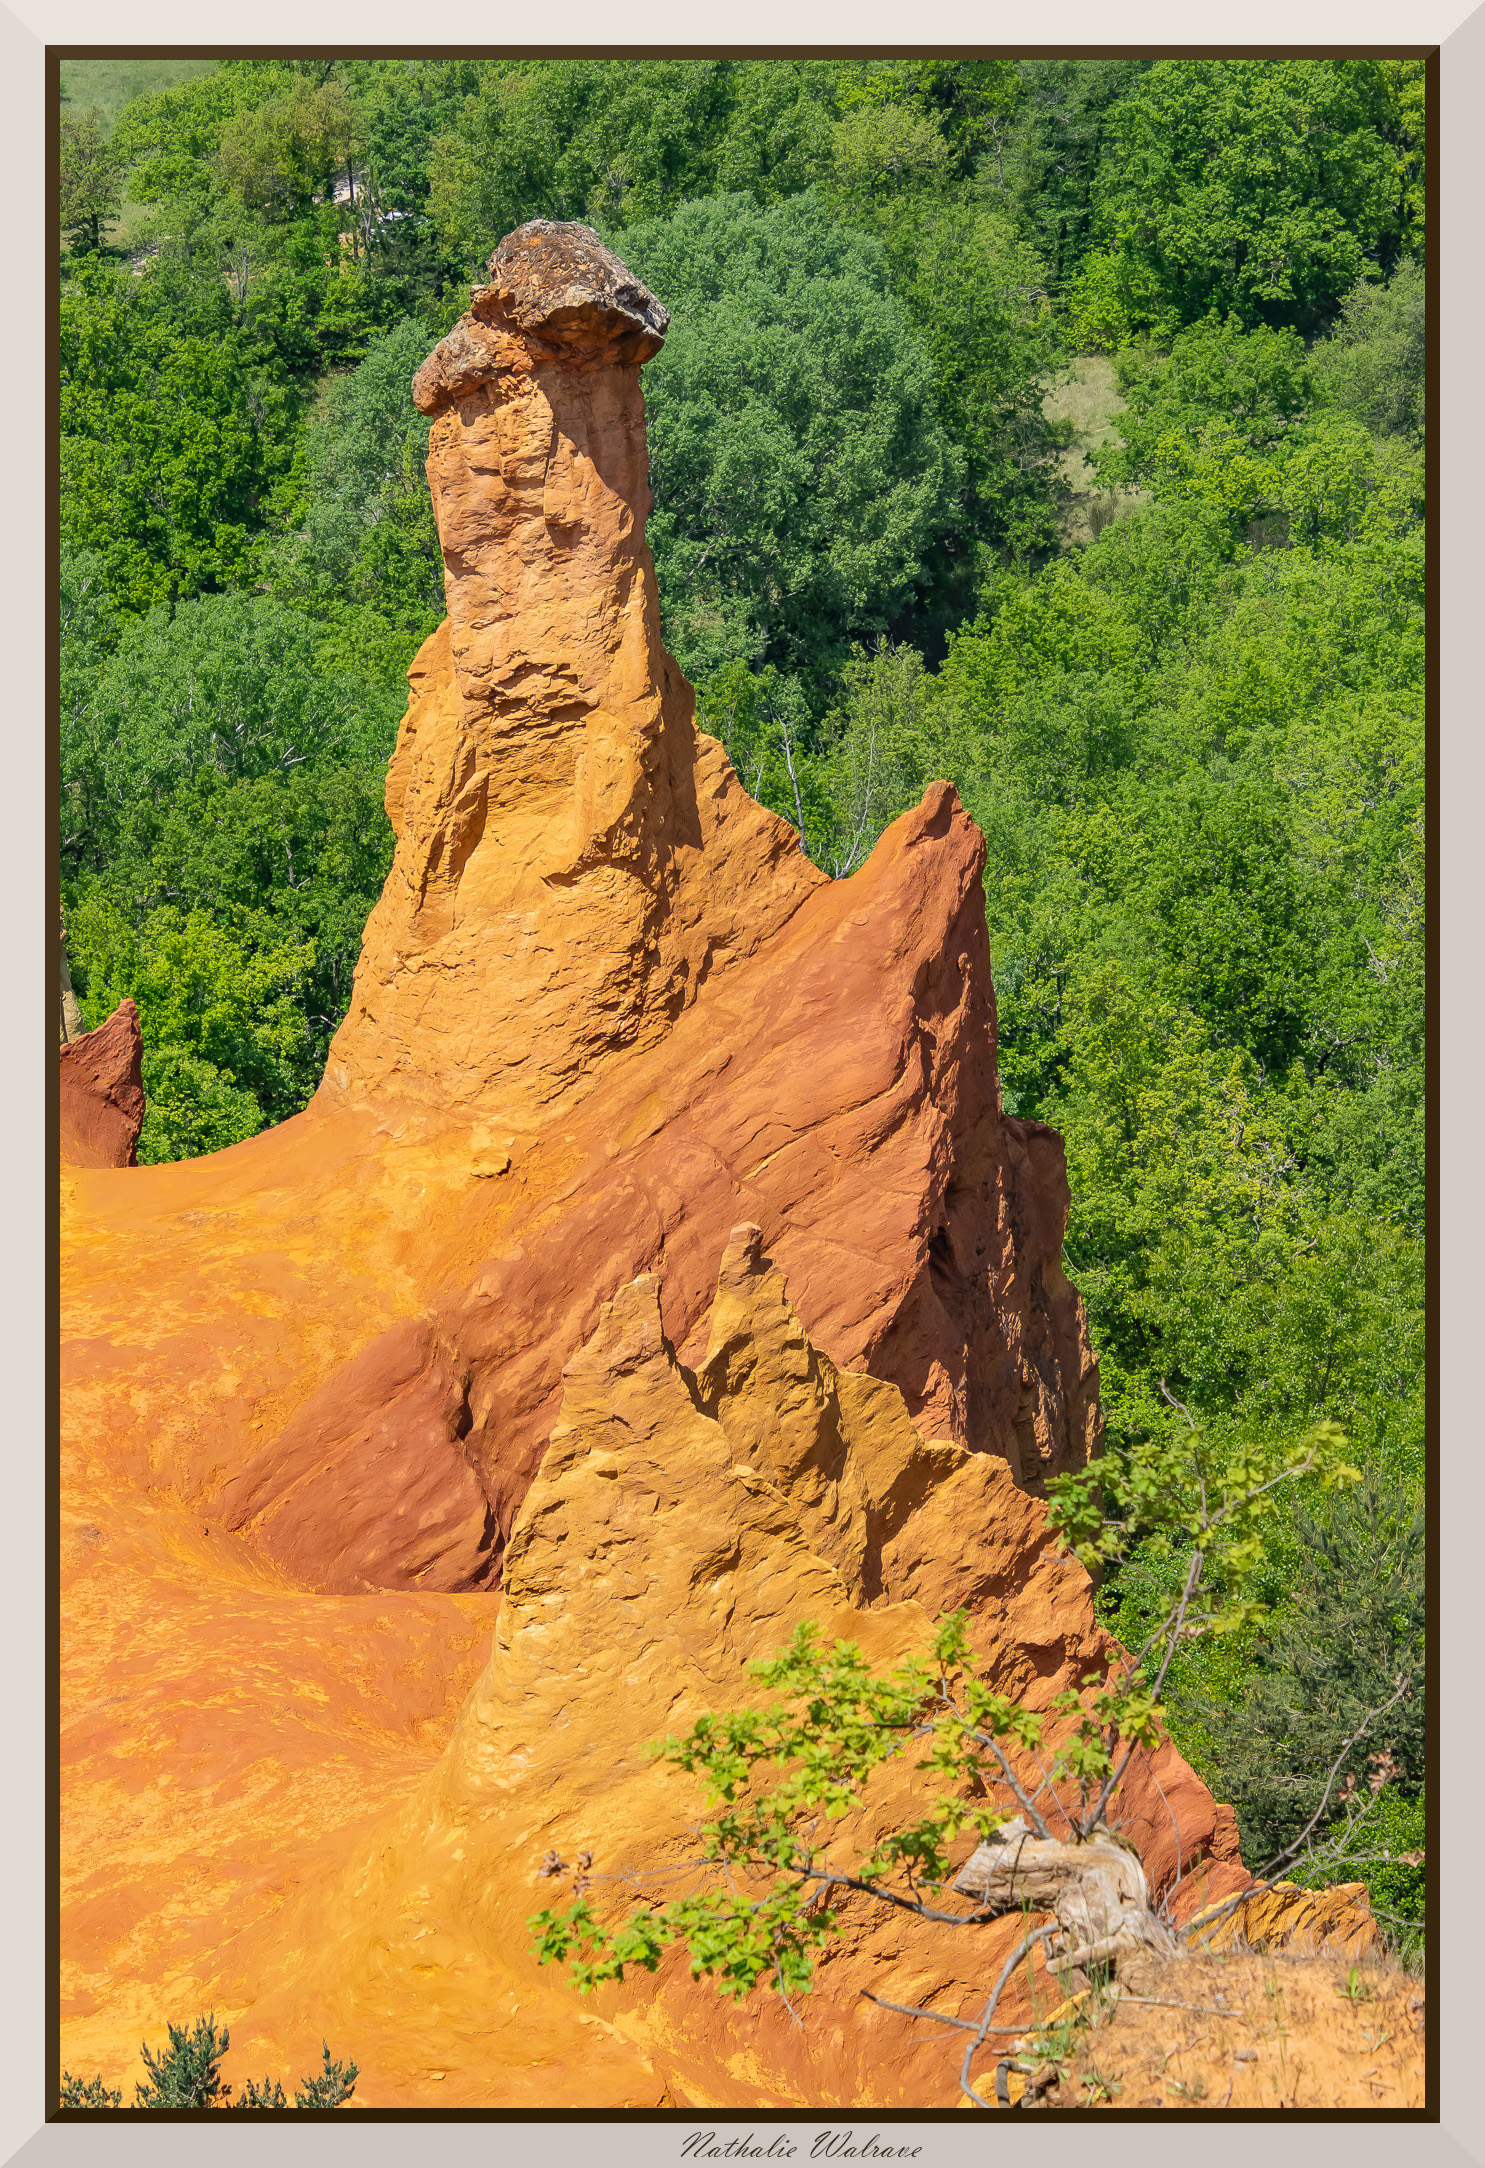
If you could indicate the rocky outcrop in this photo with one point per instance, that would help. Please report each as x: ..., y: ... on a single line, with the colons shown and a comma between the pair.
x: 102, y: 1093
x: 682, y: 1523
x: 1301, y: 1921
x: 653, y: 1014
x: 572, y: 862
x: 838, y: 1088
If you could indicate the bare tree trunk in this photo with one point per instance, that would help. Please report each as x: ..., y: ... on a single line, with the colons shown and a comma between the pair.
x: 1096, y: 1890
x: 72, y: 1022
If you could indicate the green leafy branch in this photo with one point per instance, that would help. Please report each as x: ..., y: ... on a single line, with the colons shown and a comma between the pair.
x: 781, y: 1777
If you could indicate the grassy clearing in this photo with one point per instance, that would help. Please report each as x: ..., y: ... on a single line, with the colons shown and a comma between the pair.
x: 1087, y: 395
x: 110, y: 84
x: 125, y: 230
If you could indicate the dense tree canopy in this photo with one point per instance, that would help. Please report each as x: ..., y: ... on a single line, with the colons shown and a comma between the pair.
x: 366, y: 564
x: 229, y: 683
x: 1357, y: 1622
x: 1262, y: 187
x: 617, y: 142
x: 167, y: 470
x: 800, y: 472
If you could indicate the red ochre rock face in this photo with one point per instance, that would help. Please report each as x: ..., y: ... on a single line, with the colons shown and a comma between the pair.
x: 837, y: 1086
x: 605, y: 1012
x: 102, y: 1095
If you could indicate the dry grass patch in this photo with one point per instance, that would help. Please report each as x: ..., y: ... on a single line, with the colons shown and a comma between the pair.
x: 1239, y: 2030
x: 1087, y: 395
x: 110, y: 84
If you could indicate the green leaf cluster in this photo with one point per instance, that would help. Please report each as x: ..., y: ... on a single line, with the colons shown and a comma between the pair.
x: 785, y: 1773
x: 780, y: 1773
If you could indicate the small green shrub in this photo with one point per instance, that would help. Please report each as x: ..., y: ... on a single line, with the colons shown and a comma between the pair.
x: 189, y: 2075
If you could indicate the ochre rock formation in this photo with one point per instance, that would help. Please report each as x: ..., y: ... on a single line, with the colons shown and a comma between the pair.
x: 102, y: 1093
x: 572, y: 863
x: 605, y: 1009
x: 605, y: 1012
x: 681, y: 1524
x: 839, y: 1089
x: 1302, y: 1921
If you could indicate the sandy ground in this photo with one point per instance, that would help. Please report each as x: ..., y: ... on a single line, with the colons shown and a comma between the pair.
x: 1241, y: 2030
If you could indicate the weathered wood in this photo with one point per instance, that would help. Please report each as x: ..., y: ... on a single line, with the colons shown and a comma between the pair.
x: 1096, y: 1891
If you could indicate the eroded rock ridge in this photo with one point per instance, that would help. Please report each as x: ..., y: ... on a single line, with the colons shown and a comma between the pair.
x: 596, y: 948
x: 681, y: 1524
x: 102, y: 1092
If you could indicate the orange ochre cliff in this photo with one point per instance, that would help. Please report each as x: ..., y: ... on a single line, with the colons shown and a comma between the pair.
x: 654, y: 1269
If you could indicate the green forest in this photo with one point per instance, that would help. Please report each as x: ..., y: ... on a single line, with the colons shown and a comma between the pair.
x: 1053, y: 426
